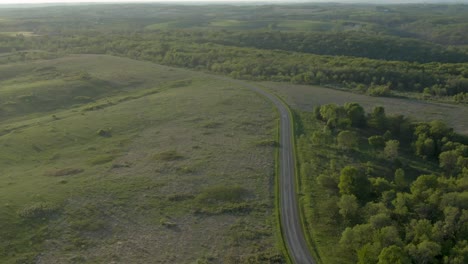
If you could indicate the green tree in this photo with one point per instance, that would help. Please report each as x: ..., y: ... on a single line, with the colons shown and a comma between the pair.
x: 378, y: 119
x: 328, y: 112
x: 376, y: 142
x: 439, y: 129
x: 391, y: 149
x: 356, y: 114
x: 347, y: 139
x: 387, y: 135
x: 399, y: 179
x: 380, y: 185
x: 368, y: 254
x: 354, y: 183
x: 349, y: 207
x: 353, y: 238
x: 424, y: 146
x: 459, y: 253
x: 393, y: 255
x: 448, y: 161
x: 424, y: 252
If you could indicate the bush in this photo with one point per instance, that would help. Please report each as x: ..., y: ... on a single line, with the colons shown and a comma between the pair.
x: 168, y: 155
x: 379, y: 91
x: 104, y: 132
x: 64, y: 172
x: 267, y: 143
x: 219, y: 194
x: 37, y: 210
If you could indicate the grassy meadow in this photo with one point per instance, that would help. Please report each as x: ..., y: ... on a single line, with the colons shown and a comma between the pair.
x: 111, y: 160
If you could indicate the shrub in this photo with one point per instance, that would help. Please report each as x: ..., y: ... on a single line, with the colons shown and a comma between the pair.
x: 381, y: 90
x: 267, y: 143
x: 104, y: 132
x: 37, y: 210
x: 219, y: 194
x: 169, y: 155
x: 64, y: 172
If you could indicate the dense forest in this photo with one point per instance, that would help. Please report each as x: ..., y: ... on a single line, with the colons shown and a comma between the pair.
x: 396, y: 188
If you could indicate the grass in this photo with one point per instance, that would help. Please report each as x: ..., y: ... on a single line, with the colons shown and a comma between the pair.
x: 70, y: 194
x: 306, y: 97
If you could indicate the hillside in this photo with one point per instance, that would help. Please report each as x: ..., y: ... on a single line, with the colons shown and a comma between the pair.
x: 153, y: 167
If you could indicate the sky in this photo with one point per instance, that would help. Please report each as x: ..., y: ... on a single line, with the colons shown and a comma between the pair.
x: 127, y: 1
x: 214, y: 1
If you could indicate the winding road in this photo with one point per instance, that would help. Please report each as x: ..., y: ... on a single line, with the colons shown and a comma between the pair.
x: 289, y: 208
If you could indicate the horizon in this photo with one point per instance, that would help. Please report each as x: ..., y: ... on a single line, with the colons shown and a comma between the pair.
x: 42, y: 2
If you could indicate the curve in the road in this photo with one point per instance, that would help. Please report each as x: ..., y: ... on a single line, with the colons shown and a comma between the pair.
x: 289, y: 209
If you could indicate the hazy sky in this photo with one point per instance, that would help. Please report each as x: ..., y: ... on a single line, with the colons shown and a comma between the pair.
x: 137, y: 1
x: 284, y: 1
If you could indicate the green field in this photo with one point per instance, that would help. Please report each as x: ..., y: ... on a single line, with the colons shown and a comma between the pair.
x: 157, y: 165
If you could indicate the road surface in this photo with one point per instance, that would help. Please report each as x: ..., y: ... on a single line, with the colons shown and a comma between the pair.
x: 289, y: 208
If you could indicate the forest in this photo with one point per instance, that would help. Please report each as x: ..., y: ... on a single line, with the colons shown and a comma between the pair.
x: 395, y: 188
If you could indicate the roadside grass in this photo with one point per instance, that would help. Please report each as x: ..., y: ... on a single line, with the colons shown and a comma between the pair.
x: 177, y: 178
x: 306, y: 97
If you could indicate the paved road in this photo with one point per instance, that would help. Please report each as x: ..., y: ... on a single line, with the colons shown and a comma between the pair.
x: 290, y: 217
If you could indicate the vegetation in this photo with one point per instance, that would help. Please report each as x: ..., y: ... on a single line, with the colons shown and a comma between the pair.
x: 385, y: 189
x: 307, y: 97
x: 142, y: 173
x: 376, y: 50
x: 108, y: 157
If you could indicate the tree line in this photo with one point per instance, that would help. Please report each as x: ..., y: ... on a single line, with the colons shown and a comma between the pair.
x: 399, y: 190
x: 180, y: 48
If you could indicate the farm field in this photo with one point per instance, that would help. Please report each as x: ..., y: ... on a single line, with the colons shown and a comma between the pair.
x: 140, y: 163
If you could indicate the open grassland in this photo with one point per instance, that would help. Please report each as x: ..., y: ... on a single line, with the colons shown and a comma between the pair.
x: 139, y: 163
x: 306, y: 97
x: 37, y: 87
